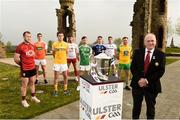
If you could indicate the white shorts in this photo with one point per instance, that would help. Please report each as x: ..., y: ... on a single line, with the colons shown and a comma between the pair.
x: 42, y: 62
x: 60, y: 67
x: 84, y: 67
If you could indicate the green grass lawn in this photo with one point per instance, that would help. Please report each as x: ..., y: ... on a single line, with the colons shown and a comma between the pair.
x: 172, y: 50
x: 171, y: 60
x: 9, y: 55
x: 10, y: 98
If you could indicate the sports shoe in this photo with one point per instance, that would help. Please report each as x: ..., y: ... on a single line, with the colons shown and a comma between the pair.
x: 24, y: 103
x: 34, y: 99
x: 45, y: 81
x: 55, y: 93
x: 36, y: 81
x: 78, y: 88
x: 76, y: 78
x: 66, y: 92
x: 127, y: 88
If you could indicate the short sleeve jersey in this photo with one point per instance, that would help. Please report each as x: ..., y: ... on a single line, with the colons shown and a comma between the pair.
x: 85, y: 51
x: 98, y: 48
x: 40, y: 50
x: 72, y: 49
x: 124, y: 54
x: 27, y: 55
x: 60, y: 49
x: 110, y: 48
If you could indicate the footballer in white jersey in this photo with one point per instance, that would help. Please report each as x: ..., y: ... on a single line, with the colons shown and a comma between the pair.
x: 72, y: 50
x: 110, y: 49
x: 72, y: 57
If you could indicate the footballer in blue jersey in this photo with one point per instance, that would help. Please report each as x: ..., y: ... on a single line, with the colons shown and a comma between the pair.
x: 99, y: 47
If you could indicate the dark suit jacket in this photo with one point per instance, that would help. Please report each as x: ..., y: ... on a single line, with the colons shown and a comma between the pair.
x: 155, y: 70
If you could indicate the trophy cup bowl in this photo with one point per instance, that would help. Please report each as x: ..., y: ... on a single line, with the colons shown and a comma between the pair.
x: 102, y: 66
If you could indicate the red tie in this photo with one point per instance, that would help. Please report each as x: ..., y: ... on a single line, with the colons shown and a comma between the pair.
x: 146, y: 62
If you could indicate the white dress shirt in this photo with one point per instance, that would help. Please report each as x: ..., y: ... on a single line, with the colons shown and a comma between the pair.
x: 151, y: 53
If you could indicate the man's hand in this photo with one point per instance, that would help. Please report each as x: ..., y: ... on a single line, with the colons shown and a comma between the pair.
x: 17, y: 58
x: 143, y: 82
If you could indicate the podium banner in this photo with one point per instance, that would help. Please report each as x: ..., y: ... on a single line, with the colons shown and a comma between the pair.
x: 100, y: 101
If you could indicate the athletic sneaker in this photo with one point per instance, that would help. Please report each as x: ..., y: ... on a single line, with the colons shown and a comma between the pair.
x: 45, y: 81
x: 36, y: 81
x: 55, y: 93
x: 34, y: 99
x: 76, y: 78
x: 66, y: 92
x: 78, y: 88
x: 24, y: 103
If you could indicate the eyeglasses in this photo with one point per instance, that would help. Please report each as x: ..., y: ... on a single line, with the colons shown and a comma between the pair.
x: 39, y: 36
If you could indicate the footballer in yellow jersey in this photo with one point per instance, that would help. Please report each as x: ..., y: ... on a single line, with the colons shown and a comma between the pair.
x: 124, y: 52
x: 60, y: 49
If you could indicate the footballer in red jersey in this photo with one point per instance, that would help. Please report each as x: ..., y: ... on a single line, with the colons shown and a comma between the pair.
x: 24, y: 56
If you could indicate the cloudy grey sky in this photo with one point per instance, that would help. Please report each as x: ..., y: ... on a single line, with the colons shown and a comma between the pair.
x: 93, y: 18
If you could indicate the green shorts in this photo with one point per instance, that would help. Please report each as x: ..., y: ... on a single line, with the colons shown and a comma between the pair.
x: 124, y: 66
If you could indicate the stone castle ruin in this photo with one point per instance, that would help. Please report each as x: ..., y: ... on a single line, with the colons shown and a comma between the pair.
x: 149, y: 16
x: 66, y: 18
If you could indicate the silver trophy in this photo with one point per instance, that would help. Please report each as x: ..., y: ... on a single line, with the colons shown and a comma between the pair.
x: 100, y: 66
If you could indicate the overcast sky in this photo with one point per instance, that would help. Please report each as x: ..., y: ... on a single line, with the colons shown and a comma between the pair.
x: 93, y: 18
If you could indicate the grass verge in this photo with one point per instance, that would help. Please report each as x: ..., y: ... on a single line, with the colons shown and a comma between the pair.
x: 10, y: 101
x: 171, y: 60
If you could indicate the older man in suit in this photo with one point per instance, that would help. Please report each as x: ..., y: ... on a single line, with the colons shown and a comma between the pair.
x: 148, y: 66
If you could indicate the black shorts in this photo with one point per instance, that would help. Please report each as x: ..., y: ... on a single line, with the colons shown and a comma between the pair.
x: 28, y: 73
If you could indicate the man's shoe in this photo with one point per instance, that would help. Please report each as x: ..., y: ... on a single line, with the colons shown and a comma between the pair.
x: 45, y: 81
x: 24, y: 103
x: 66, y: 92
x: 127, y: 88
x: 35, y: 99
x: 78, y: 88
x: 36, y: 81
x: 55, y: 93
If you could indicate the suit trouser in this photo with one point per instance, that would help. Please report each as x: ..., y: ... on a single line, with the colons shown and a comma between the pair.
x: 150, y: 99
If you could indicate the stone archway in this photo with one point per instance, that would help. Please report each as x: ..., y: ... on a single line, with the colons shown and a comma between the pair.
x: 66, y: 18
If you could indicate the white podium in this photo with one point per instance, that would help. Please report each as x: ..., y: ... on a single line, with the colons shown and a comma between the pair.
x: 100, y: 101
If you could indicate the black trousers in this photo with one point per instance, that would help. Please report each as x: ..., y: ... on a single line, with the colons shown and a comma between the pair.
x: 150, y: 99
